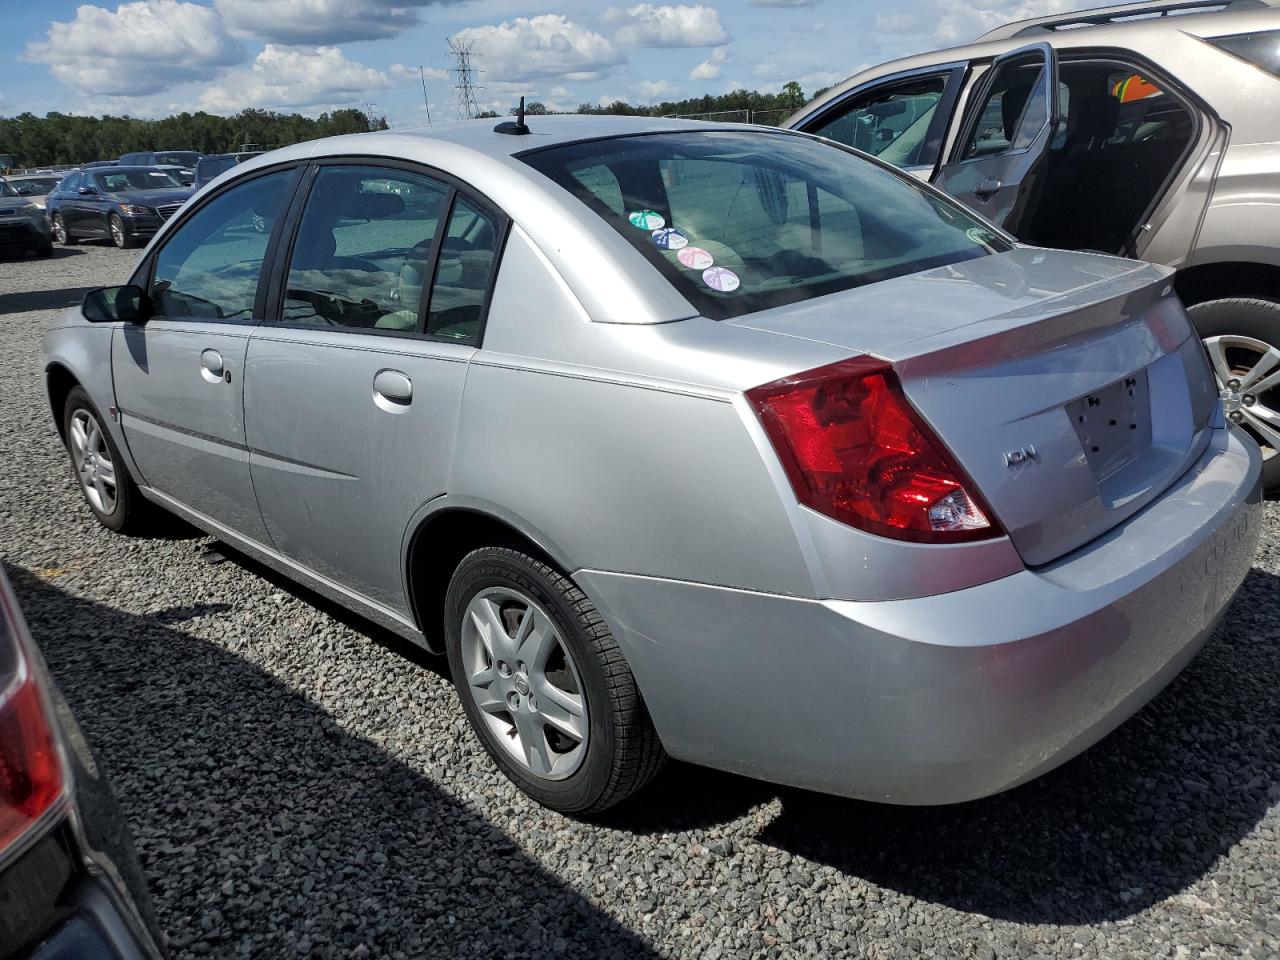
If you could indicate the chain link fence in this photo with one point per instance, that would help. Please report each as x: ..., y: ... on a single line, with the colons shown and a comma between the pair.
x: 764, y: 118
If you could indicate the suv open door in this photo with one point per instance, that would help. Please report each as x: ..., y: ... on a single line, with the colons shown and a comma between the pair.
x: 997, y: 164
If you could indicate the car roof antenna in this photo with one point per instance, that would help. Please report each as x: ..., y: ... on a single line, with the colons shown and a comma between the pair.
x: 516, y: 127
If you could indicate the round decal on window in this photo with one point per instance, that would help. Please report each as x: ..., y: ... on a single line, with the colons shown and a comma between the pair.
x: 695, y: 258
x: 721, y: 278
x: 669, y: 238
x: 646, y: 219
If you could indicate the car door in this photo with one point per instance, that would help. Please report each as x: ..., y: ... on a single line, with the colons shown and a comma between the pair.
x: 901, y: 119
x: 66, y: 196
x: 353, y: 392
x: 179, y: 377
x: 997, y: 163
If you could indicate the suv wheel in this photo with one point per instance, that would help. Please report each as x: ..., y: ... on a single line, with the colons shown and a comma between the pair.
x: 544, y: 684
x: 1242, y: 337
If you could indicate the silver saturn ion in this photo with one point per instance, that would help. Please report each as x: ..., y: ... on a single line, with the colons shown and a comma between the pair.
x: 714, y: 442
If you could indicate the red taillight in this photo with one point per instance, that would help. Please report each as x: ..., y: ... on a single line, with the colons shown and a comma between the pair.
x: 31, y: 778
x: 854, y: 449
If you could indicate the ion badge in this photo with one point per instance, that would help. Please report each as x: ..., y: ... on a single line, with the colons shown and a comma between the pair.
x: 646, y: 219
x: 669, y: 238
x: 721, y: 278
x: 695, y: 258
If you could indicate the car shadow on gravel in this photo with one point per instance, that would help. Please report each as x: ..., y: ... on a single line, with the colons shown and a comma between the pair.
x: 1132, y: 821
x: 267, y: 830
x: 42, y: 299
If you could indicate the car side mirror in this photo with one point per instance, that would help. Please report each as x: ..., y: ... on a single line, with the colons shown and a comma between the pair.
x: 129, y: 304
x: 86, y: 191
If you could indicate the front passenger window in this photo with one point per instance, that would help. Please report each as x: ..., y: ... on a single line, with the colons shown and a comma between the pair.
x: 890, y: 122
x: 209, y: 266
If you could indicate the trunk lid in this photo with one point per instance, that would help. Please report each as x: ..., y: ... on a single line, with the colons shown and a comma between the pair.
x: 1070, y: 387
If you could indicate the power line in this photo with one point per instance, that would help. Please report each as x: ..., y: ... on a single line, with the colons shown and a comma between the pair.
x: 426, y: 105
x: 465, y: 84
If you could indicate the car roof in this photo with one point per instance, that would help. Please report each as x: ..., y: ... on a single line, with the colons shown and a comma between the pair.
x: 1161, y: 38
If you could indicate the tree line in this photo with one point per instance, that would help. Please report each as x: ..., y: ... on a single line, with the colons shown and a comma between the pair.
x: 60, y: 138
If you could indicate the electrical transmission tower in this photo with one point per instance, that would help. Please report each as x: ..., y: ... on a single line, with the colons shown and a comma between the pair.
x: 465, y: 83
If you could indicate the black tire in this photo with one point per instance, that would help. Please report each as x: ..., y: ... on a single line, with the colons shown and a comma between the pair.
x: 122, y: 240
x: 45, y: 251
x: 622, y: 751
x: 60, y: 231
x: 1259, y: 320
x: 131, y: 513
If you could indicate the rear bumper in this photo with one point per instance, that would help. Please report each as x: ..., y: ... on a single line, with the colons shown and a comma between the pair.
x: 95, y: 928
x: 949, y: 697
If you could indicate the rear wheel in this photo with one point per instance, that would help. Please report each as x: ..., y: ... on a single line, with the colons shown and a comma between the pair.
x: 104, y: 480
x: 544, y: 684
x: 60, y: 231
x: 1242, y: 337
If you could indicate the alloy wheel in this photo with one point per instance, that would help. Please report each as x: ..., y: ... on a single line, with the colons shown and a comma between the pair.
x: 1248, y: 375
x: 59, y: 230
x: 522, y: 676
x: 92, y: 458
x: 117, y: 232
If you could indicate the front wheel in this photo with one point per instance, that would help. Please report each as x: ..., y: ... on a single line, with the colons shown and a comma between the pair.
x: 121, y: 239
x: 1242, y: 338
x: 544, y: 685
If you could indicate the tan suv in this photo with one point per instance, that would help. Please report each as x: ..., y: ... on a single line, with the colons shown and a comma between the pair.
x: 1150, y: 130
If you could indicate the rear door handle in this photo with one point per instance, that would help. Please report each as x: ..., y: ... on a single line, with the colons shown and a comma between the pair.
x: 212, y: 367
x: 393, y: 386
x: 987, y: 187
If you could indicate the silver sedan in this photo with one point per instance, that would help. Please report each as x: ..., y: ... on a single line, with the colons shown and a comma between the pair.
x: 712, y: 442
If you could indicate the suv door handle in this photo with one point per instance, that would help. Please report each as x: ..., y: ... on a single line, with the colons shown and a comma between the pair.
x: 393, y: 386
x: 211, y: 366
x: 987, y: 187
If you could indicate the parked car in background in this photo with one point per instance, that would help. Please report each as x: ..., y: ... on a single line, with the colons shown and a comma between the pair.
x: 24, y: 228
x: 214, y: 164
x: 69, y: 878
x: 681, y: 438
x: 98, y: 163
x: 184, y: 160
x: 34, y: 186
x: 125, y: 205
x: 1149, y: 129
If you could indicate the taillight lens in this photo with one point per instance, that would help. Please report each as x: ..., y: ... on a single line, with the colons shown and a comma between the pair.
x: 854, y: 449
x: 31, y: 779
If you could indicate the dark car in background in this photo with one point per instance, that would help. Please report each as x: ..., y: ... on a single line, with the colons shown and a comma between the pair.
x: 70, y: 883
x: 184, y: 160
x: 98, y: 163
x: 123, y: 204
x: 23, y: 225
x: 34, y: 186
x: 218, y: 163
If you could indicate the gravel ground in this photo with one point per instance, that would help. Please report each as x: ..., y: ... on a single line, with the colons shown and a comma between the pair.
x: 300, y: 783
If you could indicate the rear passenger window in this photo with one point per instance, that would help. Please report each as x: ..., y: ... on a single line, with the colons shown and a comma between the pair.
x: 209, y: 266
x: 364, y: 249
x: 461, y: 282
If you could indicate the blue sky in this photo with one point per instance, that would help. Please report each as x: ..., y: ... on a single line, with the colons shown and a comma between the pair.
x: 154, y: 57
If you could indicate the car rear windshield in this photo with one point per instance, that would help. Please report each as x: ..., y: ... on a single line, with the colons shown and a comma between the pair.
x: 740, y: 221
x: 177, y: 158
x: 6, y: 190
x: 120, y: 181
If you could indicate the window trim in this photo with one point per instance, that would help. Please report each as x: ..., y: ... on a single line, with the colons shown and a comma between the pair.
x: 953, y: 77
x: 274, y: 307
x: 144, y: 275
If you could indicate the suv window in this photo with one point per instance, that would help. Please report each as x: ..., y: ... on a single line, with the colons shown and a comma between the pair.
x: 71, y: 184
x: 1013, y: 111
x: 364, y: 250
x: 462, y: 274
x: 891, y: 122
x: 209, y: 267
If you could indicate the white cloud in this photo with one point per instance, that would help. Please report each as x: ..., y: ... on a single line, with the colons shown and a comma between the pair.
x: 709, y: 68
x: 946, y: 23
x: 784, y: 3
x: 137, y: 49
x: 646, y: 25
x: 320, y: 21
x: 652, y: 90
x: 549, y: 45
x: 561, y: 91
x: 402, y: 72
x: 294, y: 77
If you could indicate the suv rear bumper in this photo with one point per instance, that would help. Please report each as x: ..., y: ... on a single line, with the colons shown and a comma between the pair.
x: 950, y: 697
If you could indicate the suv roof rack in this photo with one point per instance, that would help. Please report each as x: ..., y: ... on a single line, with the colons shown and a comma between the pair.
x: 1123, y: 13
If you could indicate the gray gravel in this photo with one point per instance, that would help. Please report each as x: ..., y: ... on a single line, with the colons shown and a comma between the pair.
x: 302, y: 784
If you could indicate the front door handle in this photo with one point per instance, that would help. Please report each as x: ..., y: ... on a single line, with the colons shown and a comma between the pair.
x: 211, y: 366
x: 393, y: 386
x: 987, y: 187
